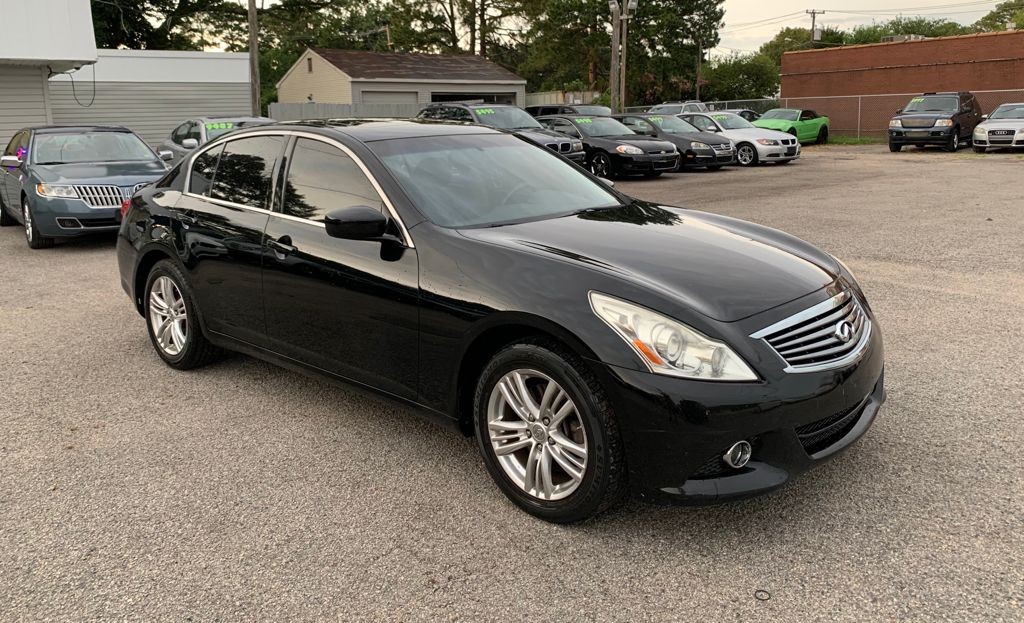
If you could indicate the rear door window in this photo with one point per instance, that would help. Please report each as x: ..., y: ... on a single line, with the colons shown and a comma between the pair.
x: 246, y: 169
x: 322, y: 178
x: 204, y: 168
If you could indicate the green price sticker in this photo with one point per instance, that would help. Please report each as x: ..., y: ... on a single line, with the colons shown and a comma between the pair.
x: 485, y: 111
x: 585, y: 120
x: 657, y: 119
x: 719, y: 117
x: 221, y: 125
x: 917, y: 100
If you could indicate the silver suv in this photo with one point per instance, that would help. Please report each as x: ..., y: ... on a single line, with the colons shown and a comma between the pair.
x: 675, y: 108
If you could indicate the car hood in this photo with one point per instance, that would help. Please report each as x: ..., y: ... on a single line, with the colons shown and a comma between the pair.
x: 1002, y: 124
x: 723, y: 268
x: 115, y: 173
x: 682, y: 140
x: 756, y: 133
x: 774, y: 124
x: 543, y: 136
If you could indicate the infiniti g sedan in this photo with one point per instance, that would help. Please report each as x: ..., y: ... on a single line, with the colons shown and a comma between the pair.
x: 592, y: 343
x: 63, y: 182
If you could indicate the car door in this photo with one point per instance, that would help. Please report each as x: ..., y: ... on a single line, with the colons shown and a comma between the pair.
x: 349, y: 307
x: 10, y: 178
x: 971, y: 116
x: 224, y: 215
x: 806, y: 128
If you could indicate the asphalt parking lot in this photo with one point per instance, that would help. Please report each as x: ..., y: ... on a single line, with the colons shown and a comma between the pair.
x: 242, y: 491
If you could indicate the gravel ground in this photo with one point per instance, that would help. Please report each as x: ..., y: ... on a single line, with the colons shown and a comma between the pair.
x: 246, y: 492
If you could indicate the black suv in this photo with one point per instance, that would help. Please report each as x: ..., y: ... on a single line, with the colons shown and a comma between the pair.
x: 946, y: 119
x: 509, y: 118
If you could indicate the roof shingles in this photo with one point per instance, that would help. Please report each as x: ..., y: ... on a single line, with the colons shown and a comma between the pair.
x: 360, y: 64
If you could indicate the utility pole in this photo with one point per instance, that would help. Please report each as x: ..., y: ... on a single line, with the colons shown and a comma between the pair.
x: 814, y: 13
x: 622, y: 59
x: 700, y: 54
x: 613, y: 74
x: 254, y: 60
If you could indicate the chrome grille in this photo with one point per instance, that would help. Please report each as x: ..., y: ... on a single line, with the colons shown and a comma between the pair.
x: 100, y: 196
x: 912, y: 122
x: 827, y: 335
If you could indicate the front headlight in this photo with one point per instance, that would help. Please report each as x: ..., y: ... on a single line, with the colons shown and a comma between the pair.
x: 943, y: 123
x: 629, y: 149
x: 895, y: 123
x: 767, y: 141
x: 698, y: 145
x: 979, y: 131
x: 576, y: 146
x: 63, y: 192
x: 670, y: 347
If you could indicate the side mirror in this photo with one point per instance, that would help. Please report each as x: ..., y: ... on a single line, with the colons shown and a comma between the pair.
x: 10, y: 162
x: 190, y: 143
x: 984, y: 117
x: 165, y: 154
x: 356, y: 223
x: 899, y: 111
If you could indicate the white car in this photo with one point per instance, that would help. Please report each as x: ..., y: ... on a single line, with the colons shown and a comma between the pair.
x: 753, y: 144
x: 1003, y: 128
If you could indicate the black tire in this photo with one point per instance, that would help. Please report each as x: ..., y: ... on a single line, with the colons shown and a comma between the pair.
x: 34, y: 239
x: 954, y: 141
x: 895, y: 148
x: 6, y: 220
x: 822, y: 136
x: 793, y: 132
x: 197, y: 350
x: 603, y: 483
x: 601, y: 165
x: 749, y: 149
x: 980, y: 150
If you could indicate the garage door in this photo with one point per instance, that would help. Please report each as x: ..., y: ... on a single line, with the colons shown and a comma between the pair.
x: 390, y: 97
x: 21, y: 100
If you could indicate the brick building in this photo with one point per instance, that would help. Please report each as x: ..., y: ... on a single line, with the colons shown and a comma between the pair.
x: 860, y: 86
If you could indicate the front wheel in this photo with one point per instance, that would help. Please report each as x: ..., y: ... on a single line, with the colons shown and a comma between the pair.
x: 34, y: 239
x: 893, y: 147
x: 547, y: 433
x: 954, y: 141
x: 601, y: 165
x: 746, y: 155
x: 822, y: 136
x: 173, y: 320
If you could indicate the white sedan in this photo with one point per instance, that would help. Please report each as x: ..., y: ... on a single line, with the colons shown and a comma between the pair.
x: 753, y: 144
x: 1003, y: 128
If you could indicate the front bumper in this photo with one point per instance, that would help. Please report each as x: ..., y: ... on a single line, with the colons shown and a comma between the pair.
x: 997, y: 141
x: 707, y: 157
x: 920, y: 136
x: 67, y: 218
x: 646, y: 163
x: 675, y: 431
x: 775, y: 153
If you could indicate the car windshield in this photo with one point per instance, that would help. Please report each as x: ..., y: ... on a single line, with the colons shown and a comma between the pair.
x: 481, y: 180
x: 933, y: 104
x: 80, y: 147
x: 782, y: 113
x: 506, y: 118
x: 730, y: 121
x: 1008, y: 111
x: 601, y: 126
x: 597, y: 111
x: 671, y: 124
x: 667, y: 109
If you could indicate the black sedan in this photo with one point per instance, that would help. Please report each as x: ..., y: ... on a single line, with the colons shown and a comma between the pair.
x: 509, y: 118
x: 594, y: 344
x: 696, y: 148
x: 613, y: 149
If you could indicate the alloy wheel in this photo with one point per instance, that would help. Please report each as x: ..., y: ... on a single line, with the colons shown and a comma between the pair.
x: 745, y: 155
x: 599, y: 165
x: 537, y: 434
x: 28, y: 221
x: 168, y: 316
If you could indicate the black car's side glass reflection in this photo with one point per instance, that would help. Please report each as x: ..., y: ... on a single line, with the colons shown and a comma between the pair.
x: 635, y: 213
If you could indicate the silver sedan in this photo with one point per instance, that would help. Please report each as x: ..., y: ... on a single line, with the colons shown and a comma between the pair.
x: 754, y: 145
x: 1003, y: 128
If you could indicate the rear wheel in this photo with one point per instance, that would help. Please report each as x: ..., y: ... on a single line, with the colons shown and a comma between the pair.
x: 548, y: 434
x: 34, y: 239
x: 746, y: 154
x: 894, y: 147
x: 822, y: 136
x: 173, y: 320
x: 601, y: 165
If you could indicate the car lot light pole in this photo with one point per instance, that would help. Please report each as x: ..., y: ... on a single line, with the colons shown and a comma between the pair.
x: 620, y: 30
x: 630, y: 9
x: 613, y: 73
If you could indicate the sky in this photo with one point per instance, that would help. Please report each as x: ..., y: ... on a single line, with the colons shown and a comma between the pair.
x: 749, y: 23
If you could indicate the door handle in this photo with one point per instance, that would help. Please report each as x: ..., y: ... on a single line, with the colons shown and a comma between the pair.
x: 282, y: 246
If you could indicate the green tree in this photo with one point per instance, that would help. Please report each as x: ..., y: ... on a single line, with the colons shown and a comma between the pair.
x: 1005, y: 16
x: 161, y: 24
x: 873, y: 33
x: 737, y: 77
x: 792, y: 39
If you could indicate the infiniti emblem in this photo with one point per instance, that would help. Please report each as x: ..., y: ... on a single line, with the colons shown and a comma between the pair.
x: 844, y: 331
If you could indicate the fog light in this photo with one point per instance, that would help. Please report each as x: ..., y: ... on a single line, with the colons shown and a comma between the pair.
x: 738, y: 455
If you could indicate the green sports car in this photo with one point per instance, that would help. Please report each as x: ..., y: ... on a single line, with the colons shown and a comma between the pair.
x: 806, y: 125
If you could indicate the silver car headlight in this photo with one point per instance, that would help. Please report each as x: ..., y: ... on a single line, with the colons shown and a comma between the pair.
x: 979, y: 131
x: 51, y: 190
x: 629, y: 149
x: 767, y: 141
x: 670, y: 347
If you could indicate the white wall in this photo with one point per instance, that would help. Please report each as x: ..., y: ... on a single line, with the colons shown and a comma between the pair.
x: 57, y: 33
x: 164, y: 66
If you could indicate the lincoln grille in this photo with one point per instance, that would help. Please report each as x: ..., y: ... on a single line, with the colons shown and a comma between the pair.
x: 824, y: 334
x: 100, y: 196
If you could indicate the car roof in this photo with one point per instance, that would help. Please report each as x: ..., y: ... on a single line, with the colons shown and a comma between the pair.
x: 366, y: 130
x: 571, y: 115
x: 235, y: 118
x: 469, y: 105
x: 65, y: 129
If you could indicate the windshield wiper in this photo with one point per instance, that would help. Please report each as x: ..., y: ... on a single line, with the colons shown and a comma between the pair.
x: 43, y: 164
